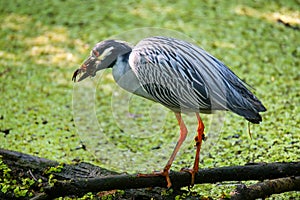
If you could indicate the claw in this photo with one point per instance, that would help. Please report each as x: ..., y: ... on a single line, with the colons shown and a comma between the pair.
x: 89, y: 67
x: 76, y: 73
x: 192, y: 172
x: 164, y: 173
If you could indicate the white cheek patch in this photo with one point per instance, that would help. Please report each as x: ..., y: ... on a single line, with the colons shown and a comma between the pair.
x: 106, y: 53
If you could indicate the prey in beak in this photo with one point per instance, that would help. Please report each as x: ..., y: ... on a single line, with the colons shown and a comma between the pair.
x: 88, y: 68
x: 103, y: 56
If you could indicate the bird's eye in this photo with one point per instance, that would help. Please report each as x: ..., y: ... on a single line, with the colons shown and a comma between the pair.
x: 95, y: 53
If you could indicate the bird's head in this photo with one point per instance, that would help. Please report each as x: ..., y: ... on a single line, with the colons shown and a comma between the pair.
x: 103, y: 55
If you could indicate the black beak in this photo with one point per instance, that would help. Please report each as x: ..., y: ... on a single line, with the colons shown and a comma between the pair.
x: 88, y: 68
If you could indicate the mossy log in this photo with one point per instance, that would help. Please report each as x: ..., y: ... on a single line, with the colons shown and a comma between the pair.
x: 266, y: 188
x: 80, y: 178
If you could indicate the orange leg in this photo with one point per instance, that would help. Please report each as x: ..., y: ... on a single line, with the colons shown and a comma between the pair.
x: 183, y: 134
x: 198, y: 140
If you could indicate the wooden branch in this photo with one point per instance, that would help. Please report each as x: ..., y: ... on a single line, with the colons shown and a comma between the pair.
x: 179, y: 179
x: 266, y: 188
x: 80, y: 178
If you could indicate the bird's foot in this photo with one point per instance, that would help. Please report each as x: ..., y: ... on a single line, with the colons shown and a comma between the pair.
x: 192, y: 171
x: 164, y: 173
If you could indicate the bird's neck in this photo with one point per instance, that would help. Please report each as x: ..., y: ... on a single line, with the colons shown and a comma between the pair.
x: 125, y: 77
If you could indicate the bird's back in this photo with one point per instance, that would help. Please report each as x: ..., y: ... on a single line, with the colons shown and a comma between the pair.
x: 185, y: 78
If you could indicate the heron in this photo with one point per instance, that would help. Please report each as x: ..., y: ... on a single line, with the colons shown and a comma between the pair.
x: 179, y: 75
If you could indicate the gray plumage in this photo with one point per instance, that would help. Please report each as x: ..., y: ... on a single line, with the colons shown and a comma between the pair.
x: 175, y: 73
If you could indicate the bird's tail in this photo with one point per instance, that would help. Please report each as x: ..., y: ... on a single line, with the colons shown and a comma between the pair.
x: 255, y: 119
x: 251, y: 112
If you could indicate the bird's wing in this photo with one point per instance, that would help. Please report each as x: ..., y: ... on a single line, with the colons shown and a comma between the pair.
x: 183, y: 76
x: 178, y: 73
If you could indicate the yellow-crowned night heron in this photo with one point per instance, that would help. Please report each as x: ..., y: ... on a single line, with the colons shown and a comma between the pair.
x: 177, y: 74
